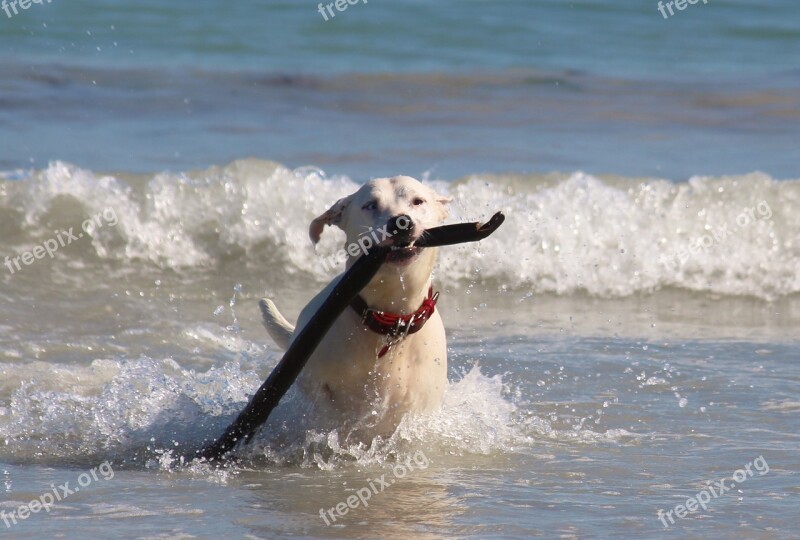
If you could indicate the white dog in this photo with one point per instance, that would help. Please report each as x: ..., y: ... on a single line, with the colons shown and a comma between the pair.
x: 375, y: 364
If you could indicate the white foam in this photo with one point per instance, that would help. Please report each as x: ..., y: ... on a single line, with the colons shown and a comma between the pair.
x: 612, y: 237
x: 146, y: 412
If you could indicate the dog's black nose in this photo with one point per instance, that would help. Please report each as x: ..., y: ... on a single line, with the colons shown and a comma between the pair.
x: 401, y: 228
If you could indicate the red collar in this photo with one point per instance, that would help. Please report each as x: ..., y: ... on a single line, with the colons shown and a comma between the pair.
x: 392, y: 324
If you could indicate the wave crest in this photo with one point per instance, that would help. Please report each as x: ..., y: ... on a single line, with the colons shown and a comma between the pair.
x: 607, y: 236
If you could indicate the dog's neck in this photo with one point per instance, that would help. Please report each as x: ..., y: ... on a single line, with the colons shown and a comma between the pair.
x: 399, y: 291
x: 398, y: 298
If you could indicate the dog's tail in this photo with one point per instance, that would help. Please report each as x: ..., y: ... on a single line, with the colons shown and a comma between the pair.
x: 276, y: 324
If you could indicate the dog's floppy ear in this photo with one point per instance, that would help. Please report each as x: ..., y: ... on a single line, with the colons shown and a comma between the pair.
x: 332, y: 216
x: 443, y: 201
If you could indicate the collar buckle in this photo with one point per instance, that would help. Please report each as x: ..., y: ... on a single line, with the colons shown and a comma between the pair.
x: 402, y: 328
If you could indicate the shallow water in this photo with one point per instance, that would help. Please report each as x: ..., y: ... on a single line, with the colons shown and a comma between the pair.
x: 585, y: 396
x: 583, y: 434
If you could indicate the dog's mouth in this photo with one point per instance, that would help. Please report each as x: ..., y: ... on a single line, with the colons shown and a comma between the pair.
x: 402, y: 255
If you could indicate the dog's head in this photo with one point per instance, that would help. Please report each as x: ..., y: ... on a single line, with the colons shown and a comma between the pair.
x: 389, y: 211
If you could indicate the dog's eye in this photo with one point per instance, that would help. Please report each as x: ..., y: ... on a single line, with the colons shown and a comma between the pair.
x: 418, y: 201
x: 370, y: 206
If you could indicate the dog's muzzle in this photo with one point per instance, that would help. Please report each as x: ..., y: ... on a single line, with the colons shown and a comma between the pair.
x: 402, y: 229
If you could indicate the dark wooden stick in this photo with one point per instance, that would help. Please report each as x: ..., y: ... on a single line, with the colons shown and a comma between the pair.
x: 447, y: 235
x: 283, y: 376
x: 303, y: 346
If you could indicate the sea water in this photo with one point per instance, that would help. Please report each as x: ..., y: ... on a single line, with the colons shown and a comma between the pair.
x: 626, y: 341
